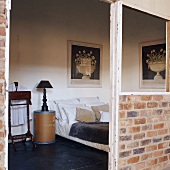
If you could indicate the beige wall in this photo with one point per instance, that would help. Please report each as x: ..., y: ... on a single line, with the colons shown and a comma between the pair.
x: 138, y: 27
x: 39, y: 34
x: 155, y: 7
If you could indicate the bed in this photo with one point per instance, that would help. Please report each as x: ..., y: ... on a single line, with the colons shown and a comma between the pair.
x: 84, y: 120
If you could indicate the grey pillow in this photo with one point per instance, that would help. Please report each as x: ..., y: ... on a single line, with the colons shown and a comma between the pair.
x: 84, y: 115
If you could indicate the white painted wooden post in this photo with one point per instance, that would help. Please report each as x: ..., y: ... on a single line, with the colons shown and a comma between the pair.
x: 115, y: 73
x: 167, y: 56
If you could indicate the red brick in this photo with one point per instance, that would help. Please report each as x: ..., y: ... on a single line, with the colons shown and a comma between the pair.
x: 146, y: 113
x: 2, y: 53
x: 1, y: 100
x: 151, y: 133
x: 164, y: 118
x: 2, y: 134
x: 159, y: 126
x: 127, y: 106
x: 133, y: 160
x: 1, y: 124
x: 2, y: 7
x: 163, y: 131
x: 125, y: 138
x: 145, y: 142
x: 147, y: 127
x: 157, y: 167
x: 2, y: 20
x: 163, y: 104
x: 124, y: 154
x: 132, y: 114
x: 140, y: 121
x: 157, y: 97
x: 132, y: 145
x: 167, y: 111
x: 151, y: 162
x: 146, y: 98
x: 121, y: 114
x: 2, y: 31
x: 162, y: 159
x: 139, y: 136
x: 122, y: 98
x: 151, y: 148
x: 122, y: 130
x: 2, y: 42
x: 166, y: 97
x: 158, y: 153
x: 134, y: 129
x: 2, y: 64
x: 139, y: 166
x: 120, y: 106
x: 1, y: 147
x: 140, y: 105
x: 146, y: 157
x: 133, y: 98
x: 122, y: 147
x: 163, y: 145
x: 153, y: 119
x: 2, y: 76
x: 127, y: 122
x: 152, y: 104
x: 157, y: 112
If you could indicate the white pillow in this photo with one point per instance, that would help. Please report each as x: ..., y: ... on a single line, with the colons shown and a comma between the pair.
x: 94, y: 104
x: 88, y: 99
x: 56, y: 108
x: 63, y: 115
x: 71, y: 114
x: 73, y: 101
x: 104, y: 116
x: 58, y: 115
x: 52, y: 106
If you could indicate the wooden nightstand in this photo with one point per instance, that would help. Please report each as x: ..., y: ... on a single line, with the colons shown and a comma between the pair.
x: 44, y: 126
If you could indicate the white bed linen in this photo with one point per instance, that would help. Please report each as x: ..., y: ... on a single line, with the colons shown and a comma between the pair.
x: 63, y: 129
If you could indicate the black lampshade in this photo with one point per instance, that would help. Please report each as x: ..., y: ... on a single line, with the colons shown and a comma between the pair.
x: 44, y: 84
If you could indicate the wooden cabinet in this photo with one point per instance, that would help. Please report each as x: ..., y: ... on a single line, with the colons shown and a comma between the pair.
x: 44, y: 127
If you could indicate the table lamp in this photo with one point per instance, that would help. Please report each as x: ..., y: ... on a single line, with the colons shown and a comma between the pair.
x: 44, y: 84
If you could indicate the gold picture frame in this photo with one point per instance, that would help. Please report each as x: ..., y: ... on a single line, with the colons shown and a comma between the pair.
x: 148, y: 77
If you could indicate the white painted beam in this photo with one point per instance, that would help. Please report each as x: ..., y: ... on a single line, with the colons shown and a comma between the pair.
x: 115, y: 73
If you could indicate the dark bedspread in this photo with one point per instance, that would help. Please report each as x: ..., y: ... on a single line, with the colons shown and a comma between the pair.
x: 97, y: 132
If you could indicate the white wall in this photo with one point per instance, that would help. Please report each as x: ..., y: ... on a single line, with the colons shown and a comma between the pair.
x: 138, y: 27
x: 38, y: 44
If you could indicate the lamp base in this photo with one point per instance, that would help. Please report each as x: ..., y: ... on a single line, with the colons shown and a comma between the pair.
x: 44, y: 108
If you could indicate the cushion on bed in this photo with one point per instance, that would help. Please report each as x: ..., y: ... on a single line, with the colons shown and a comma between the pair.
x: 85, y: 115
x: 97, y: 109
x: 104, y: 116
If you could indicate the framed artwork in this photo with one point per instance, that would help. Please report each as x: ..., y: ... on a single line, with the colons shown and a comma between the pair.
x: 84, y: 64
x: 153, y: 64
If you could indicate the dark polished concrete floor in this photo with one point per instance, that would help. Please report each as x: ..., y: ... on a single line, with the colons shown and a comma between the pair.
x: 62, y: 155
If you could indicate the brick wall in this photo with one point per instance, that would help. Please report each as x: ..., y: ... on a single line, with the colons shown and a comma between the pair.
x: 2, y: 80
x: 144, y: 126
